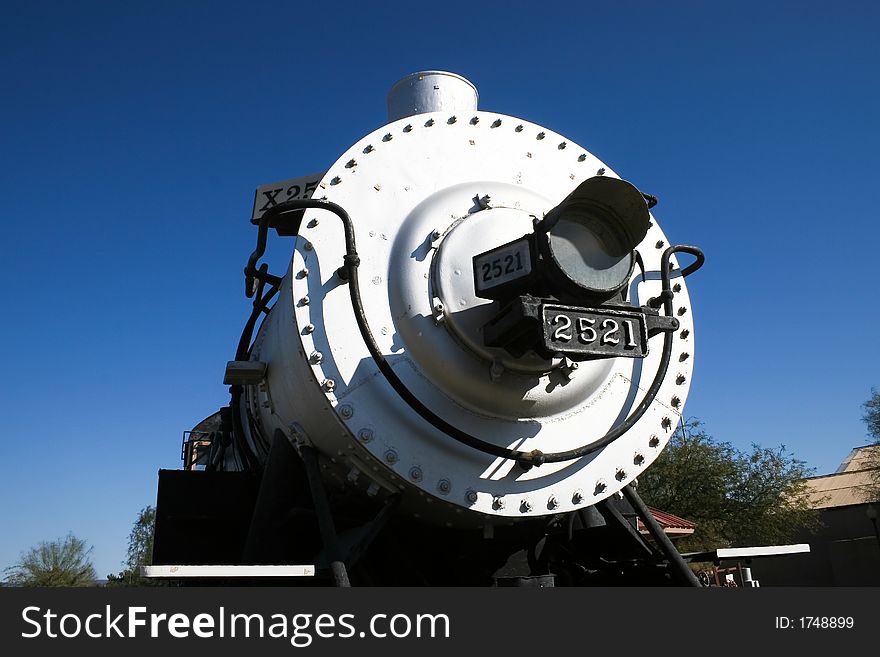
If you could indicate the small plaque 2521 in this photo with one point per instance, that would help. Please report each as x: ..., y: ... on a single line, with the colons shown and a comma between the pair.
x: 598, y: 332
x: 502, y: 265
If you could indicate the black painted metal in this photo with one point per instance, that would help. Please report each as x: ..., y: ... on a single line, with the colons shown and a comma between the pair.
x: 324, y: 514
x: 679, y: 566
x: 282, y: 528
x: 614, y: 518
x: 202, y: 517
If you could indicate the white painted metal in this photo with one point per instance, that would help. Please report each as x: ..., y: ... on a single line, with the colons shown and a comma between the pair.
x: 763, y: 551
x: 431, y: 91
x: 226, y: 571
x: 418, y: 199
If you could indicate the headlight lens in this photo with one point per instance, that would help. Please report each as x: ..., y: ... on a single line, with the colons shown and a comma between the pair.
x: 589, y: 253
x: 588, y: 239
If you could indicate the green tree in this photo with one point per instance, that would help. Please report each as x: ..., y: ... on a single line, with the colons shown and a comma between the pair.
x: 872, y: 461
x: 140, y: 551
x: 736, y: 498
x: 62, y: 562
x: 872, y: 415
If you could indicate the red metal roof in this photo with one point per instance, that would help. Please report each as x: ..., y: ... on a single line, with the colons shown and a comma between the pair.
x: 668, y: 521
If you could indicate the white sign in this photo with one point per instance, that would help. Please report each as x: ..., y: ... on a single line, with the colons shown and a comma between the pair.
x: 272, y: 194
x: 501, y: 265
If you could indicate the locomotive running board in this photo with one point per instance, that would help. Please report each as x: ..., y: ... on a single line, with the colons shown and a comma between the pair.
x: 225, y: 571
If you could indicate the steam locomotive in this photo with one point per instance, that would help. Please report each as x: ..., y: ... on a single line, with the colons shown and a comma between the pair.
x: 482, y: 339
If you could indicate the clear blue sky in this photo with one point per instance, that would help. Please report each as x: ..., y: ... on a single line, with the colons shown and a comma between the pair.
x: 132, y: 136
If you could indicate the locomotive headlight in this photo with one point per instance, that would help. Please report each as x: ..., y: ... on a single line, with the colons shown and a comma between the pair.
x: 582, y: 251
x: 587, y: 241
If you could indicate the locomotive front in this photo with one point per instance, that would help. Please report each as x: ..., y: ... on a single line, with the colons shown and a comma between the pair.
x: 480, y: 319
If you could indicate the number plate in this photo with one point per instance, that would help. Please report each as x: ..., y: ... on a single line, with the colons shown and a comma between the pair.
x: 502, y: 265
x: 598, y: 332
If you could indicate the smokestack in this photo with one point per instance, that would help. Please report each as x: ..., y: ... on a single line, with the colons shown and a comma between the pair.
x: 431, y: 91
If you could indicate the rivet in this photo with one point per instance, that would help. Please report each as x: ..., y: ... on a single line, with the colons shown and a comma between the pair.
x: 540, y: 135
x: 415, y: 474
x: 496, y: 123
x: 336, y: 180
x: 562, y: 145
x: 309, y: 328
x: 601, y: 171
x: 304, y: 301
x: 620, y: 475
x: 391, y: 457
x: 600, y: 488
x: 676, y: 287
x: 582, y: 157
x: 682, y: 310
x: 436, y: 235
x: 680, y: 379
x: 498, y: 503
x: 666, y: 423
x: 312, y: 223
x: 407, y: 127
x: 365, y: 435
x: 369, y: 148
x: 429, y: 123
x: 328, y: 385
x: 525, y: 506
x: 388, y: 137
x: 496, y: 370
x: 316, y: 357
x: 519, y: 128
x: 377, y: 187
x: 303, y: 272
x: 475, y: 120
x: 660, y: 244
x: 654, y: 441
x: 444, y: 486
x: 577, y: 497
x: 685, y: 333
x: 471, y: 496
x: 676, y: 402
x: 452, y: 119
x: 684, y: 356
x: 552, y: 503
x: 351, y: 163
x: 346, y: 411
x: 638, y: 459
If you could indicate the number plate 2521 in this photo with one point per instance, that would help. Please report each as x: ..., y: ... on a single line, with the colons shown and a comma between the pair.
x: 502, y: 265
x: 596, y: 332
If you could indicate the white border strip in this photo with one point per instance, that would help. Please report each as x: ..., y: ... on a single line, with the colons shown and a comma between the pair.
x: 765, y: 551
x: 228, y: 571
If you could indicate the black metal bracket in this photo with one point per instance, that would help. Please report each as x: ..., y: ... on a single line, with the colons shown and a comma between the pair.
x: 517, y: 328
x: 658, y: 323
